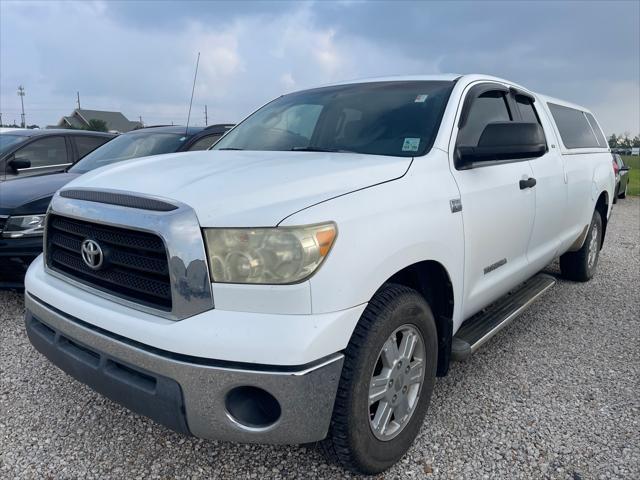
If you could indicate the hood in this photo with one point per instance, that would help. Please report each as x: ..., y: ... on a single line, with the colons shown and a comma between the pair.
x: 247, y: 188
x: 31, y: 195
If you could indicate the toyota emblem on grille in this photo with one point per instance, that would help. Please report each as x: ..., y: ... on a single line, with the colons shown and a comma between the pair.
x: 92, y: 254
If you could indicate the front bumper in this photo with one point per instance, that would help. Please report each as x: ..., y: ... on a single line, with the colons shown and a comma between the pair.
x: 187, y: 394
x: 16, y: 254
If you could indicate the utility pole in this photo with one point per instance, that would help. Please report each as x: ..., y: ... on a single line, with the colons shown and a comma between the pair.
x: 21, y: 94
x: 78, y: 96
x: 206, y: 120
x: 141, y: 122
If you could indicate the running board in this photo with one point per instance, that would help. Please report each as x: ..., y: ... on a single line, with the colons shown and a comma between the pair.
x: 477, y: 330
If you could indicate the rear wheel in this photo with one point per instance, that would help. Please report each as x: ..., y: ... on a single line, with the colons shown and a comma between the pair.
x: 386, y: 382
x: 581, y: 265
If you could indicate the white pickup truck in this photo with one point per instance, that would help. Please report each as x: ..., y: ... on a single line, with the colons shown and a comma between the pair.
x: 307, y: 279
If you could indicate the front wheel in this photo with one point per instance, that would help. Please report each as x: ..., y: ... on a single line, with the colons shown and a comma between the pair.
x: 386, y: 383
x: 581, y: 265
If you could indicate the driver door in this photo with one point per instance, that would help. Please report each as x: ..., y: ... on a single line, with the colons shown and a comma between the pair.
x: 46, y: 155
x: 497, y: 214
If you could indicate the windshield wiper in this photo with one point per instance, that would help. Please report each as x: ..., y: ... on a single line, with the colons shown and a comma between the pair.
x: 319, y: 149
x: 230, y: 148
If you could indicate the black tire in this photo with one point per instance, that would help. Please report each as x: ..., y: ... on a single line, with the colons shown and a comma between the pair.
x: 350, y: 440
x: 616, y: 194
x: 575, y: 265
x: 624, y: 192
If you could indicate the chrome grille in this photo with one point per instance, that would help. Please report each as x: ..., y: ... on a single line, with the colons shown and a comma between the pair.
x: 135, y: 263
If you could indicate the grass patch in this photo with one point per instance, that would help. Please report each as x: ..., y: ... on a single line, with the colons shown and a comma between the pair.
x: 633, y: 161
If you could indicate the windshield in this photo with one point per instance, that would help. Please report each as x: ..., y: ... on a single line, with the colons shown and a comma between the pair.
x: 397, y: 118
x: 130, y: 145
x: 7, y: 141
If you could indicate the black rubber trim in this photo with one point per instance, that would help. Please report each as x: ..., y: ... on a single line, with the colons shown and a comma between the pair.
x: 154, y: 396
x: 445, y: 329
x: 207, y: 362
x: 121, y: 199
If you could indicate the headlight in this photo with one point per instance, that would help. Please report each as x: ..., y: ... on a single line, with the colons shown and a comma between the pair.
x: 267, y: 255
x: 24, y: 226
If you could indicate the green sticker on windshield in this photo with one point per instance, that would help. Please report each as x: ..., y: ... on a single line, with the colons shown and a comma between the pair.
x: 410, y: 144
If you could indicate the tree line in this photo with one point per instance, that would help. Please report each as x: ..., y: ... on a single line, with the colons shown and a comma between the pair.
x: 624, y: 141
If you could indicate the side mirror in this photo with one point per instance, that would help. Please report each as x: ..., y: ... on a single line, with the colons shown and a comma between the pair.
x: 504, y: 141
x: 625, y: 168
x: 18, y: 164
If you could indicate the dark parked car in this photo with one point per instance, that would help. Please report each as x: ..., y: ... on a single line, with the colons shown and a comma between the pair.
x: 24, y: 202
x: 25, y: 153
x: 622, y: 177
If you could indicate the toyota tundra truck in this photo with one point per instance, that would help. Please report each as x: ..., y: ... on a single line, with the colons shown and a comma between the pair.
x: 307, y: 279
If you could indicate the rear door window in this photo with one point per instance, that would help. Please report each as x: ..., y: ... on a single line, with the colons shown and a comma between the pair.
x: 44, y: 152
x: 574, y: 128
x: 86, y: 144
x: 204, y: 143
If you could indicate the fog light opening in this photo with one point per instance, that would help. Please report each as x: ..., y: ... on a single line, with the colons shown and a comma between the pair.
x: 252, y: 407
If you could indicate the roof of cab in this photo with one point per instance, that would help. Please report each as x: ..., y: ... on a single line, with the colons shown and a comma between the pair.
x: 544, y: 98
x: 467, y: 78
x: 444, y: 77
x: 564, y: 103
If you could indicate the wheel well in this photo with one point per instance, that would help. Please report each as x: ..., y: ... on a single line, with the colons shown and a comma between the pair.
x: 432, y: 281
x: 602, y: 206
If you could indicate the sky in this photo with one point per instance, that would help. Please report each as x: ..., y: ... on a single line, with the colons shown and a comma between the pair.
x: 139, y: 57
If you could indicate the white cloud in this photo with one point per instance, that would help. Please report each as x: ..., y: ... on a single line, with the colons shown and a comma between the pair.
x: 326, y: 53
x: 619, y: 110
x: 57, y: 48
x: 78, y: 46
x: 287, y: 81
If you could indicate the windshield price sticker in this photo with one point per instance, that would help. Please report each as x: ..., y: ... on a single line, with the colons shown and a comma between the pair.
x: 421, y: 98
x: 411, y: 145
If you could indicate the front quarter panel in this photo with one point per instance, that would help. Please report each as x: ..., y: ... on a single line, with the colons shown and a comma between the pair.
x: 385, y: 228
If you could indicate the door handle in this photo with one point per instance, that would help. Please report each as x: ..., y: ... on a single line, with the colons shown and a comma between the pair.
x: 528, y: 183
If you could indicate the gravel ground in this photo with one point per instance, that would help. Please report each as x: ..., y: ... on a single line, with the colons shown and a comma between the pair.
x: 554, y: 395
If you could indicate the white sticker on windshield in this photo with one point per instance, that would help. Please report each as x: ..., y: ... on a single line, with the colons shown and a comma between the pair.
x: 410, y: 144
x: 182, y: 139
x: 421, y: 98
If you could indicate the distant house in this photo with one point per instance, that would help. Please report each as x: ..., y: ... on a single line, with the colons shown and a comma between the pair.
x: 116, y: 121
